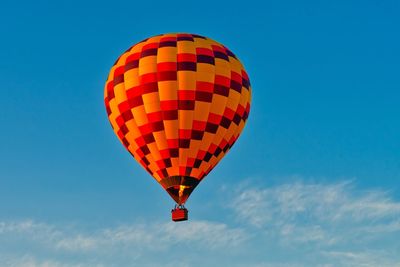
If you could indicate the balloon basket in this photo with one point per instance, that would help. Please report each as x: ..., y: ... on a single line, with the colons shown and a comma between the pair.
x: 179, y: 214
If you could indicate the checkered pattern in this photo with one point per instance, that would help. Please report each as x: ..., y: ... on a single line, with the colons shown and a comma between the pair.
x: 178, y: 102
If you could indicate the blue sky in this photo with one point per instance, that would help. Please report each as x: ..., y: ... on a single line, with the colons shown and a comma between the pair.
x: 312, y: 181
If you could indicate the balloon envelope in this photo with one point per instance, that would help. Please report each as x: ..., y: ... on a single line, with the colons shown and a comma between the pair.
x: 178, y: 102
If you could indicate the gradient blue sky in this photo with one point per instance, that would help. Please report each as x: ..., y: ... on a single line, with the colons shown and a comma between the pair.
x: 312, y: 181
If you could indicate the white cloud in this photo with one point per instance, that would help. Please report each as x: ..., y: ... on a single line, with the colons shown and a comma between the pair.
x: 27, y: 227
x: 289, y: 225
x: 365, y: 259
x: 129, y: 243
x: 313, y: 208
x: 157, y: 236
x: 30, y: 261
x: 325, y: 217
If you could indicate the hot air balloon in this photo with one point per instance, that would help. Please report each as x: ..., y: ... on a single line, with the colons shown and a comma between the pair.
x: 178, y: 102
